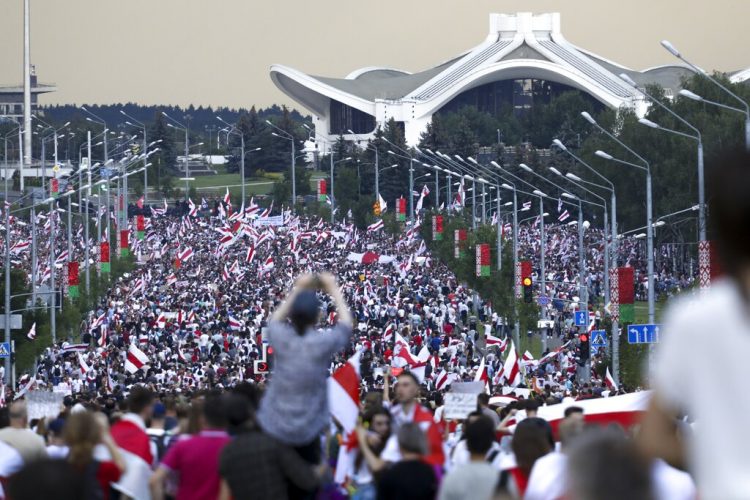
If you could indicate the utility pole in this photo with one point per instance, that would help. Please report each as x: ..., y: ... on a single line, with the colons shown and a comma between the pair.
x: 26, y: 90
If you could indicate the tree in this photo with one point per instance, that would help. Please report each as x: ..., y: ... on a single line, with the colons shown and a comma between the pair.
x: 163, y: 162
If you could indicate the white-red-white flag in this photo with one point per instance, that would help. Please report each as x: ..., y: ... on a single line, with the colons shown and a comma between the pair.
x: 511, y: 368
x: 83, y: 365
x: 32, y: 332
x: 377, y: 226
x: 185, y: 254
x: 136, y: 359
x: 610, y: 381
x: 250, y: 253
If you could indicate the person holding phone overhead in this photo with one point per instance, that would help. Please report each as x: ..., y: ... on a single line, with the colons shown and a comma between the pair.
x: 294, y: 409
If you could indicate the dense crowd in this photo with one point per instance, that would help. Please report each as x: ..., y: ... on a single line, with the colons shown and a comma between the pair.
x: 215, y: 379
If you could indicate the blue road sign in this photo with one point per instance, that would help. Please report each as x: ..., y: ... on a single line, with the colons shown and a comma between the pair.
x: 643, y: 334
x: 4, y: 350
x: 582, y: 318
x: 598, y: 339
x: 543, y: 300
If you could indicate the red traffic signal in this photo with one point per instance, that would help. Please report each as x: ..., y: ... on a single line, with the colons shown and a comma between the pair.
x: 584, y: 337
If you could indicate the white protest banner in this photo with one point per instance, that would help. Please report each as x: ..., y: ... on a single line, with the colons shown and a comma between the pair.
x: 44, y: 404
x: 276, y: 220
x: 458, y: 405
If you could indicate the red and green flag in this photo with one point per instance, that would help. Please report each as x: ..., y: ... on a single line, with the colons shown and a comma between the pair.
x: 73, y: 280
x: 322, y: 190
x: 437, y: 227
x: 104, y: 266
x: 622, y: 294
x: 54, y: 187
x: 483, y: 260
x: 401, y: 209
x: 459, y: 236
x: 124, y: 250
x: 140, y: 226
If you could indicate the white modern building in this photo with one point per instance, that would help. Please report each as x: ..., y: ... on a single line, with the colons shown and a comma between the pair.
x: 523, y: 58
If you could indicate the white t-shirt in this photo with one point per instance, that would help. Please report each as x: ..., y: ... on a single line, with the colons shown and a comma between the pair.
x: 701, y: 368
x: 547, y: 479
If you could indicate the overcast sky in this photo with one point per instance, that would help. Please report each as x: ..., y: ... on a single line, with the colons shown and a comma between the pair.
x: 217, y: 52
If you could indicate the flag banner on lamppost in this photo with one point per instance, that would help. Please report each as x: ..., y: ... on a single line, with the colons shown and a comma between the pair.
x: 622, y: 294
x: 54, y: 187
x: 437, y: 227
x: 140, y: 226
x: 322, y: 190
x: 401, y: 209
x: 523, y: 270
x: 459, y: 236
x: 483, y: 260
x: 121, y: 212
x: 73, y: 279
x: 708, y: 263
x: 104, y: 257
x: 124, y: 250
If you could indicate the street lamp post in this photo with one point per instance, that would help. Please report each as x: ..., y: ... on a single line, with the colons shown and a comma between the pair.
x: 672, y: 50
x: 179, y: 126
x: 697, y: 137
x: 142, y: 126
x: 649, y: 227
x: 613, y: 201
x: 286, y: 135
x: 232, y: 129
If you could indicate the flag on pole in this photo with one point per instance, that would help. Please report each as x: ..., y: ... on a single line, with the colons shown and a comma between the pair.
x: 382, y: 204
x: 32, y: 332
x: 511, y: 368
x: 563, y: 216
x: 375, y: 226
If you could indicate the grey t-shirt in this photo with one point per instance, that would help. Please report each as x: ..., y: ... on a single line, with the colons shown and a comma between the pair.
x: 294, y: 408
x: 475, y: 481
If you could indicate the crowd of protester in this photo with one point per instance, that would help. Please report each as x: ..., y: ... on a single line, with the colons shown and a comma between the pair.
x: 204, y: 374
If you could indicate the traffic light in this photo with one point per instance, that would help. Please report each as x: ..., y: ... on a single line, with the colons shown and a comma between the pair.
x: 376, y: 208
x: 527, y: 297
x: 585, y: 346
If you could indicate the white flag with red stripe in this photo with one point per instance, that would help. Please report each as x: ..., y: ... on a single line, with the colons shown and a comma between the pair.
x: 343, y: 403
x: 32, y: 332
x: 511, y: 368
x: 185, y: 255
x: 82, y: 363
x: 610, y: 381
x: 375, y: 226
x: 482, y: 376
x: 136, y: 359
x: 250, y: 254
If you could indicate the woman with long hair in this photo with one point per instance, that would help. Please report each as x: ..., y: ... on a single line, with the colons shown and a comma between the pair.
x: 83, y: 431
x: 377, y: 422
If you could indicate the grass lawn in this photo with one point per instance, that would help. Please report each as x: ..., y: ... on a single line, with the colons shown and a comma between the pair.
x: 217, y: 180
x: 641, y: 312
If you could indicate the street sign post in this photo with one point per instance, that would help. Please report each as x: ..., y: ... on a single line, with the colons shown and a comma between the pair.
x: 598, y: 340
x: 643, y: 334
x: 543, y: 300
x: 15, y: 321
x: 582, y: 318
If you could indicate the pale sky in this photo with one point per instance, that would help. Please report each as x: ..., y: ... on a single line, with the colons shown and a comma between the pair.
x: 218, y: 52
